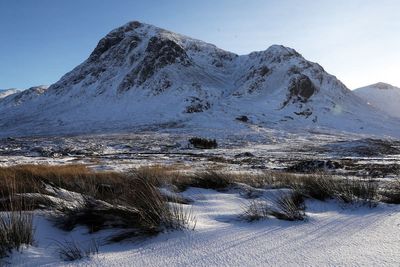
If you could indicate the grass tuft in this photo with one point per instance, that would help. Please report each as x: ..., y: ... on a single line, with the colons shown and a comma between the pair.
x: 16, y: 224
x: 290, y: 207
x: 255, y: 211
x: 71, y: 250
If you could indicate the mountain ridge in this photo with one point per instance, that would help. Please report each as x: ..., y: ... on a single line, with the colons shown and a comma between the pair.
x: 139, y: 74
x: 6, y: 92
x: 383, y: 96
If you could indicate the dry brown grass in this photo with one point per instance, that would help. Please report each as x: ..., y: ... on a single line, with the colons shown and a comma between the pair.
x: 132, y: 200
x: 110, y: 200
x: 77, y: 178
x: 107, y: 185
x: 209, y: 178
x: 139, y: 208
x: 316, y: 186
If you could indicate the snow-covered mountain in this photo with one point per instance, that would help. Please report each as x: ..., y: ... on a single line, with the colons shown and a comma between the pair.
x: 17, y: 97
x: 383, y: 96
x: 141, y: 76
x: 6, y: 92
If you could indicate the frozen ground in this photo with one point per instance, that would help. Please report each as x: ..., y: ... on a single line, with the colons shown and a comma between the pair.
x: 271, y: 149
x: 333, y: 235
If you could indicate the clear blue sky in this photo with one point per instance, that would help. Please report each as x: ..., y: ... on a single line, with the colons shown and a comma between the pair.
x: 356, y: 40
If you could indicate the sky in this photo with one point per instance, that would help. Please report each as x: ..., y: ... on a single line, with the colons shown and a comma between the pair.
x: 358, y: 41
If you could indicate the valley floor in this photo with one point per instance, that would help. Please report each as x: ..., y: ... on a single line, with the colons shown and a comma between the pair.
x: 272, y: 150
x: 332, y: 235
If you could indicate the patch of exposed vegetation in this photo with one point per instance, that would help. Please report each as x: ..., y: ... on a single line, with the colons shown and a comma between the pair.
x: 203, y: 143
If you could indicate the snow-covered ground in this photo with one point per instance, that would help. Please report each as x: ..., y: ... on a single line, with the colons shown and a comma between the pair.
x: 267, y: 150
x: 332, y: 235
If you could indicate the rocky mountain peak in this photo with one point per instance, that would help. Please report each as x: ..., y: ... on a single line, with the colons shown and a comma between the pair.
x: 139, y: 74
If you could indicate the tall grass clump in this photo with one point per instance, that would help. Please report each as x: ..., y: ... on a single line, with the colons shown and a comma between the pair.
x: 77, y: 178
x: 212, y: 180
x: 319, y: 187
x: 16, y: 223
x: 99, y: 200
x: 290, y: 207
x: 352, y: 191
x: 287, y: 206
x: 346, y: 190
x: 256, y: 210
x: 139, y: 209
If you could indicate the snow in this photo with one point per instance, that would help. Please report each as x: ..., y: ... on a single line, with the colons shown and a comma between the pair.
x: 333, y: 235
x: 382, y: 96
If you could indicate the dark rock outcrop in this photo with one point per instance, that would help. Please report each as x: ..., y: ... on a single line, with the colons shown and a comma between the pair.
x: 301, y: 89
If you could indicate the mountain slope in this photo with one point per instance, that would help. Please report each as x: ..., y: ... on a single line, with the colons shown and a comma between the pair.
x: 383, y: 96
x: 143, y: 76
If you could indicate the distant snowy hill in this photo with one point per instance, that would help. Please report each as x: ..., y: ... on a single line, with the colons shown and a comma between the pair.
x: 19, y: 97
x: 7, y: 92
x: 141, y: 76
x: 384, y: 96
